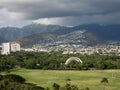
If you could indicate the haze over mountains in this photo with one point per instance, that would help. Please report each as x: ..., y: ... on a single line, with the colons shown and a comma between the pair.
x: 34, y: 33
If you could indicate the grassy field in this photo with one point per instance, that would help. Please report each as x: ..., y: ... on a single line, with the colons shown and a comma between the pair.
x: 82, y: 79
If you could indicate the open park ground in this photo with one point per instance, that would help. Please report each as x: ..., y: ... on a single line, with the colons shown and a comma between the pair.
x: 90, y: 78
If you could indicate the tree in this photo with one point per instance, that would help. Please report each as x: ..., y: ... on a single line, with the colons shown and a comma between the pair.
x: 68, y: 81
x: 56, y: 86
x: 74, y: 87
x: 87, y: 88
x: 15, y: 78
x: 68, y: 86
x: 104, y: 80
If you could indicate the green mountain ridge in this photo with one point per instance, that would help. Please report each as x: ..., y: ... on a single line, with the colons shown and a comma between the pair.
x: 33, y: 33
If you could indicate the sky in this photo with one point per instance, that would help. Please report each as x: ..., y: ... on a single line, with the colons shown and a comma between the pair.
x: 19, y: 13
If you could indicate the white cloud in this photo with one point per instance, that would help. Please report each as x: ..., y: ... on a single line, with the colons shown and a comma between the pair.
x: 48, y: 21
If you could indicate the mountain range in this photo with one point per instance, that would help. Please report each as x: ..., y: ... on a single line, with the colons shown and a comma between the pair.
x: 34, y: 33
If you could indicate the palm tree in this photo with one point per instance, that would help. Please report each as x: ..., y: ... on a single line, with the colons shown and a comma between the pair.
x: 104, y: 80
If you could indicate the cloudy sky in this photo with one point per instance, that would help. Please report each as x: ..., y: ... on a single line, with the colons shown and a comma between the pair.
x: 61, y: 12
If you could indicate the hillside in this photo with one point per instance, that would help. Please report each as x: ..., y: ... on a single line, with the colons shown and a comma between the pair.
x: 2, y: 40
x: 76, y: 37
x: 33, y: 39
x: 14, y: 33
x: 31, y: 34
x: 11, y: 33
x: 106, y: 32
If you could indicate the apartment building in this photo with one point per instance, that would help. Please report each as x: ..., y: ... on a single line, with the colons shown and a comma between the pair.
x: 8, y: 47
x: 15, y: 47
x: 5, y: 48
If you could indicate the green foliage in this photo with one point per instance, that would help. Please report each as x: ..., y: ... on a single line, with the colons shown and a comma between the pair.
x: 87, y: 88
x: 71, y: 87
x: 74, y: 87
x: 56, y: 86
x: 16, y: 82
x: 37, y: 88
x: 15, y: 78
x: 53, y: 60
x: 104, y: 80
x: 68, y: 87
x: 1, y: 77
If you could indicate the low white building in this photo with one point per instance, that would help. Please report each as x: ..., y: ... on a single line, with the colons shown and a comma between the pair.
x: 5, y: 48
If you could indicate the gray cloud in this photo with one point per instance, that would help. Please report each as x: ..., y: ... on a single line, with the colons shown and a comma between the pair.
x: 112, y: 18
x: 69, y: 11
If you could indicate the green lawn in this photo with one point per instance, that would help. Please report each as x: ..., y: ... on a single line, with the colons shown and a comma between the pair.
x: 82, y: 79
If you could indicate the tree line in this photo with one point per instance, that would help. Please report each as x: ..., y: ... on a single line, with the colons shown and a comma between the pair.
x: 56, y: 61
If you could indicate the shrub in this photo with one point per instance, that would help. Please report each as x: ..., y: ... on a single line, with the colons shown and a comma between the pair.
x: 15, y: 78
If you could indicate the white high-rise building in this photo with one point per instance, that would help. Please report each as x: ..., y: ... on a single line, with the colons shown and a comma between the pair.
x: 0, y: 49
x: 15, y: 47
x: 5, y: 48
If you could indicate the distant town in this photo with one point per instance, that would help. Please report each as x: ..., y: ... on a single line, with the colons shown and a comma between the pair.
x: 77, y: 49
x: 7, y: 48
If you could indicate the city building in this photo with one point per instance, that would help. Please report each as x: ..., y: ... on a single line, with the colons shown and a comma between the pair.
x: 0, y: 48
x: 5, y: 48
x: 8, y: 47
x: 15, y: 47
